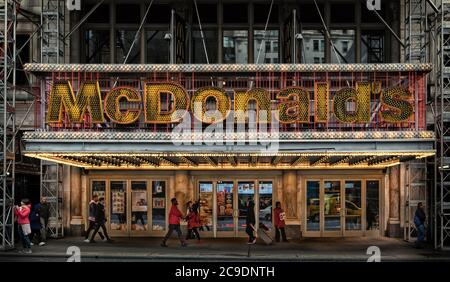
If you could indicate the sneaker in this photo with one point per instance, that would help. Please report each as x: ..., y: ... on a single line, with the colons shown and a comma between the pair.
x: 31, y: 244
x: 104, y: 239
x: 41, y: 244
x: 86, y: 241
x: 27, y: 251
x: 253, y: 242
x: 163, y: 244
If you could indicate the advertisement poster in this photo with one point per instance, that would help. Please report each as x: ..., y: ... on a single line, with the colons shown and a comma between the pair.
x: 118, y: 202
x: 159, y: 203
x: 139, y: 201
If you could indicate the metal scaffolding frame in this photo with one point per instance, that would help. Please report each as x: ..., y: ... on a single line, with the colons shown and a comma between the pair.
x: 8, y: 18
x: 415, y: 31
x: 52, y: 51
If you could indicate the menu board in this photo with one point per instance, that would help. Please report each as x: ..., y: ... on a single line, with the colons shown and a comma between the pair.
x: 225, y: 199
x: 206, y: 203
x: 118, y: 202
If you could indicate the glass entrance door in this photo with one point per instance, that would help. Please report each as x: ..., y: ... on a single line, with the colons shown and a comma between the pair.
x: 225, y: 213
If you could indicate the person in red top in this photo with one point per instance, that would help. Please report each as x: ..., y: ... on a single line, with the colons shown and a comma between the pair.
x: 279, y: 216
x: 193, y: 219
x: 174, y: 223
x: 23, y: 220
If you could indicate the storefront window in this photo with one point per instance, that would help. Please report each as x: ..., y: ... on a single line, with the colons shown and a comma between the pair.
x: 332, y: 205
x: 313, y: 47
x: 157, y: 47
x: 224, y: 194
x: 235, y: 44
x: 97, y: 46
x: 344, y: 43
x: 158, y: 205
x: 312, y: 205
x: 372, y: 47
x: 246, y: 192
x: 265, y: 203
x: 353, y: 210
x: 124, y: 40
x: 211, y: 47
x: 99, y: 189
x: 372, y: 205
x: 139, y: 205
x: 269, y: 52
x: 118, y: 205
x: 206, y: 205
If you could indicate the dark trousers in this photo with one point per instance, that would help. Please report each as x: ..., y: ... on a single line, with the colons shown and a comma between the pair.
x: 35, y: 233
x: 97, y: 228
x: 92, y: 226
x: 277, y: 234
x: 174, y: 227
x: 249, y: 231
x: 193, y: 230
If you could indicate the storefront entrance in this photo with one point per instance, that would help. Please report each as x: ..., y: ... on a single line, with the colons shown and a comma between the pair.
x: 341, y: 207
x: 223, y: 205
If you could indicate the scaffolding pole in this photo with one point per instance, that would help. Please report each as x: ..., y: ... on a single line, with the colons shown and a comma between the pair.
x: 8, y: 21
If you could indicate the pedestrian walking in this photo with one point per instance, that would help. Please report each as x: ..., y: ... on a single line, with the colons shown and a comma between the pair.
x: 250, y: 222
x: 100, y: 221
x: 279, y: 221
x: 43, y: 209
x: 22, y: 213
x: 35, y: 225
x: 174, y: 223
x: 93, y: 209
x: 193, y: 219
x: 419, y: 222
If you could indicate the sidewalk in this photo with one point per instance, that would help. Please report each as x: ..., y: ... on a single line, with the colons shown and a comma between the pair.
x: 233, y: 249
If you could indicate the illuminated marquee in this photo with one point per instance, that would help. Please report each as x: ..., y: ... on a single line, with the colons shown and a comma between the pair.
x: 125, y: 105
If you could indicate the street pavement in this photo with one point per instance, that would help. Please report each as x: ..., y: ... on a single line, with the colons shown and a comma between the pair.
x: 230, y: 249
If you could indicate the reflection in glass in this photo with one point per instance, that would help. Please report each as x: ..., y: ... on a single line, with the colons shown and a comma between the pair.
x: 353, y: 211
x: 246, y: 192
x: 265, y: 203
x: 224, y: 196
x: 97, y: 46
x: 313, y: 47
x: 313, y: 206
x: 269, y: 52
x: 118, y: 205
x: 198, y: 49
x: 345, y: 47
x: 139, y: 204
x: 235, y: 43
x: 158, y: 205
x: 372, y: 47
x: 99, y: 188
x: 157, y: 47
x: 372, y: 205
x: 206, y: 205
x: 332, y: 205
x: 124, y: 39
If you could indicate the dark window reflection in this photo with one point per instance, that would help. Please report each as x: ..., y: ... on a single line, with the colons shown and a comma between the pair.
x: 157, y: 47
x: 124, y: 40
x: 372, y: 205
x: 235, y: 44
x: 97, y: 46
x: 372, y: 47
x: 198, y: 50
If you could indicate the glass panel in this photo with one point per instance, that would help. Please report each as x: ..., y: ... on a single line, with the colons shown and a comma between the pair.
x: 158, y: 205
x: 269, y: 52
x: 313, y: 49
x: 100, y: 15
x: 332, y: 205
x: 99, y: 188
x: 235, y: 44
x: 235, y: 13
x: 157, y: 47
x: 372, y: 47
x: 211, y: 46
x: 246, y: 192
x: 342, y: 13
x: 124, y: 38
x: 265, y: 203
x: 118, y: 205
x: 206, y: 205
x: 139, y: 204
x: 373, y: 204
x: 225, y: 206
x: 353, y: 211
x: 313, y: 206
x: 97, y: 46
x: 344, y: 42
x: 126, y: 13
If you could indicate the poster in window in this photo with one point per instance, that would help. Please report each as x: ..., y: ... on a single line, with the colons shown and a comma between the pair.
x: 118, y: 202
x: 159, y: 203
x: 139, y: 201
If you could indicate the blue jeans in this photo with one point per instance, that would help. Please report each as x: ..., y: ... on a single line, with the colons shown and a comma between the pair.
x: 26, y: 243
x: 420, y: 234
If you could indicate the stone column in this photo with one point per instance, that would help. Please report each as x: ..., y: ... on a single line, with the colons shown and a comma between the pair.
x: 76, y: 219
x: 290, y: 194
x: 393, y: 228
x: 181, y: 189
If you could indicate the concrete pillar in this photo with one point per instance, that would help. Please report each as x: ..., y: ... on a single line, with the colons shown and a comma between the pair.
x: 290, y: 194
x: 66, y: 197
x: 76, y: 221
x: 393, y: 229
x: 181, y: 188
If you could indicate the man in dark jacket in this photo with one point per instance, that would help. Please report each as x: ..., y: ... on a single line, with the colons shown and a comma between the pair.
x: 250, y: 222
x: 419, y: 221
x: 92, y: 215
x: 100, y: 221
x: 43, y: 209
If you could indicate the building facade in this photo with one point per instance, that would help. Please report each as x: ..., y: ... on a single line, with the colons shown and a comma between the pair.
x: 272, y: 109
